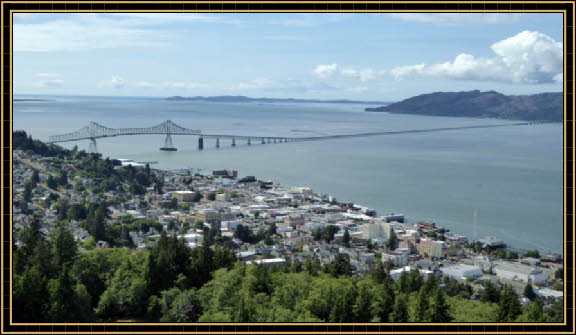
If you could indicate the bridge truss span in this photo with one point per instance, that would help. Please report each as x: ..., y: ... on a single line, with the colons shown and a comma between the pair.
x: 94, y: 130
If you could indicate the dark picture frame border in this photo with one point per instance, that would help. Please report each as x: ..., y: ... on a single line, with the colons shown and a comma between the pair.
x: 10, y: 7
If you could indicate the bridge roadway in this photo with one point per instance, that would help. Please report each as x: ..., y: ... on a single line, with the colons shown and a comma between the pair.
x: 169, y: 128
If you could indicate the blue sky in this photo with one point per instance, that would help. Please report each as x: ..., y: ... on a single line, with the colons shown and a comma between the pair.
x: 375, y: 56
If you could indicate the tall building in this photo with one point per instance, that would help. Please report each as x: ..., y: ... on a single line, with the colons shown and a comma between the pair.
x: 376, y: 230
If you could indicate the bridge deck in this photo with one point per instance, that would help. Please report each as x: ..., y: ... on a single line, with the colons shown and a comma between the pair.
x: 94, y: 130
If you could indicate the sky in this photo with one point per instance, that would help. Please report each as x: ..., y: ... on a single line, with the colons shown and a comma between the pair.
x: 362, y: 56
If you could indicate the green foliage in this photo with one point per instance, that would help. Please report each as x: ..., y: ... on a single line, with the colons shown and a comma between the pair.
x: 466, y: 310
x: 126, y: 294
x: 169, y: 258
x: 211, y: 196
x: 556, y: 311
x: 400, y: 313
x: 509, y: 307
x: 340, y: 266
x: 51, y: 182
x: 420, y: 312
x: 95, y: 268
x: 529, y: 292
x: 392, y: 242
x: 534, y: 313
x: 177, y: 305
x: 559, y: 274
x: 63, y: 178
x: 246, y: 235
x: 346, y: 238
x: 64, y: 248
x: 439, y: 310
x: 34, y: 250
x: 532, y: 253
x: 35, y: 178
x: 511, y: 255
x: 491, y: 293
x: 30, y: 295
x: 172, y: 204
x: 27, y: 195
x: 414, y: 280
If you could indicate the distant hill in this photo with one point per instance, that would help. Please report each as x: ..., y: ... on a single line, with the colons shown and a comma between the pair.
x: 536, y: 107
x: 240, y: 98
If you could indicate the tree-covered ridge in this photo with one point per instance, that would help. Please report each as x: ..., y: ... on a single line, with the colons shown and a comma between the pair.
x: 536, y: 107
x: 172, y: 282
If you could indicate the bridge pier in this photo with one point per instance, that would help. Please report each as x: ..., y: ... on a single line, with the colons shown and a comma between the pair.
x: 168, y: 146
x: 268, y: 140
x: 233, y: 142
x: 248, y: 142
x: 92, y: 147
x: 200, y: 143
x: 217, y: 142
x: 263, y: 142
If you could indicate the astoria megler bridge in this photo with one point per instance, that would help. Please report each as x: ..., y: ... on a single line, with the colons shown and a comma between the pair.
x: 94, y: 130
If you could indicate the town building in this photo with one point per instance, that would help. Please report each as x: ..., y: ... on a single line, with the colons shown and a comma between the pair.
x: 519, y: 272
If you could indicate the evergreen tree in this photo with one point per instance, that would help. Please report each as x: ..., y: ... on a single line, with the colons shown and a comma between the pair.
x: 392, y: 242
x: 491, y: 293
x: 51, y: 182
x: 362, y: 306
x: 297, y: 266
x: 421, y: 309
x: 346, y: 238
x: 529, y: 292
x: 30, y: 296
x: 185, y: 307
x: 272, y: 230
x: 509, y: 307
x: 534, y: 313
x: 171, y: 257
x: 35, y: 178
x: 64, y: 248
x: 439, y: 309
x: 62, y: 298
x: 63, y: 178
x: 402, y: 283
x: 431, y: 284
x: 27, y: 194
x: 380, y: 272
x: 340, y: 266
x: 317, y: 234
x: 310, y: 267
x: 414, y: 280
x: 400, y: 312
x: 383, y: 300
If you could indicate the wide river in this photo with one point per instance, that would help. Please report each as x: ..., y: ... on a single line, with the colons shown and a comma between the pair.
x: 512, y: 175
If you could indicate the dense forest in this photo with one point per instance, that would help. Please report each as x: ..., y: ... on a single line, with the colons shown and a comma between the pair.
x: 57, y: 280
x: 54, y: 281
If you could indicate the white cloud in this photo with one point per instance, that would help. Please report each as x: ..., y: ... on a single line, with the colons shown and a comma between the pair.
x: 529, y: 57
x: 325, y: 71
x: 332, y: 70
x: 452, y: 19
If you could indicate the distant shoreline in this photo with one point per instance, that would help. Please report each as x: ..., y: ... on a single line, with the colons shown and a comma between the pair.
x: 25, y: 100
x: 240, y: 98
